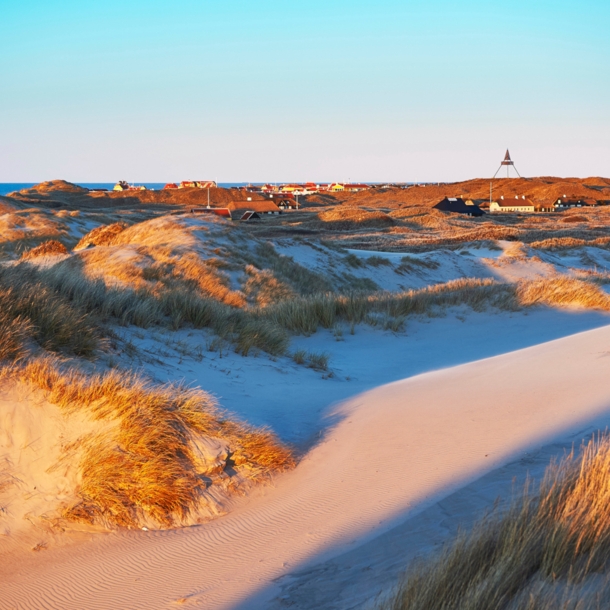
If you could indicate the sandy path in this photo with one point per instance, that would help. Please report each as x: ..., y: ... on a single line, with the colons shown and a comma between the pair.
x: 397, y: 449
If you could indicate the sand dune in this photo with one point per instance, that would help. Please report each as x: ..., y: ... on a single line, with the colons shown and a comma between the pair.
x: 396, y: 450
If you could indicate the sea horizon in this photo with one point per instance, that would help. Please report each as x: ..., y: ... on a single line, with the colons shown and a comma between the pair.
x: 11, y: 187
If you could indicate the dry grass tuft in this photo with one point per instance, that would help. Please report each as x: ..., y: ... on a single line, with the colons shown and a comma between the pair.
x: 31, y: 310
x: 14, y: 336
x: 562, y: 292
x: 287, y: 270
x: 565, y: 243
x: 546, y: 551
x: 411, y: 264
x: 574, y: 218
x: 515, y: 250
x: 350, y: 218
x: 101, y: 236
x: 264, y: 289
x: 146, y: 465
x: 306, y: 314
x: 51, y: 247
x: 26, y: 229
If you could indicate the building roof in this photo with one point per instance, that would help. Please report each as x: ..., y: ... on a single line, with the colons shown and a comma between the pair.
x: 250, y: 215
x: 515, y: 202
x: 218, y: 211
x: 457, y: 204
x: 264, y: 205
x: 576, y: 201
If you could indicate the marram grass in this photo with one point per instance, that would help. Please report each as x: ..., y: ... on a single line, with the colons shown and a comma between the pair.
x: 549, y: 549
x: 143, y: 466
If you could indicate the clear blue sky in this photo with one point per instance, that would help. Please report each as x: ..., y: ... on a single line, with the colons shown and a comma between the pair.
x: 101, y: 90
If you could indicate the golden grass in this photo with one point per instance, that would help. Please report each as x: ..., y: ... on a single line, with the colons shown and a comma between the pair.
x: 303, y: 281
x: 306, y: 314
x: 158, y: 255
x: 26, y: 229
x: 545, y: 551
x: 417, y: 211
x: 31, y: 310
x: 146, y: 467
x: 101, y: 236
x: 562, y: 292
x: 348, y: 218
x: 564, y: 243
x: 574, y: 218
x: 51, y: 247
x: 14, y: 335
x: 263, y: 288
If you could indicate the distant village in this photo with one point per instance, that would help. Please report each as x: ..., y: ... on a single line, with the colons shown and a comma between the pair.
x: 281, y: 197
x: 286, y: 197
x: 308, y: 188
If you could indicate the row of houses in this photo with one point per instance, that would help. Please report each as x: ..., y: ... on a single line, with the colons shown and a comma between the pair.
x: 524, y: 204
x: 309, y: 188
x: 244, y: 210
x: 519, y: 204
x: 122, y: 185
x: 186, y: 184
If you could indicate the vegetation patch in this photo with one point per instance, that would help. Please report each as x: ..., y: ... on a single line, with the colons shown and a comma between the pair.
x: 340, y: 218
x: 547, y: 550
x: 101, y: 236
x: 148, y: 463
x: 51, y: 247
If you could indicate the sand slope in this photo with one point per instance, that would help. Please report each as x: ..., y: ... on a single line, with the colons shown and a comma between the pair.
x: 396, y: 449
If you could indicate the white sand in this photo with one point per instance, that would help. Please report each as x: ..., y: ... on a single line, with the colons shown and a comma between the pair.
x: 396, y: 450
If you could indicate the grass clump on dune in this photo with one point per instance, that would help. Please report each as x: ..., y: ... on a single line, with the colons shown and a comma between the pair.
x: 306, y: 314
x: 101, y: 236
x: 146, y: 465
x: 51, y: 247
x: 31, y: 310
x: 563, y: 292
x: 78, y: 301
x: 548, y: 550
x: 25, y: 229
x: 302, y: 280
x: 345, y: 218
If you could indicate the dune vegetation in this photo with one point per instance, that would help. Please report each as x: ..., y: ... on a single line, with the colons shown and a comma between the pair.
x: 71, y: 279
x: 548, y: 550
x: 149, y: 465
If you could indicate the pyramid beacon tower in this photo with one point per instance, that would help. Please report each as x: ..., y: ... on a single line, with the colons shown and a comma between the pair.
x: 508, y: 162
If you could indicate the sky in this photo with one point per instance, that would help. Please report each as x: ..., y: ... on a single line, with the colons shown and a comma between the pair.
x: 269, y: 90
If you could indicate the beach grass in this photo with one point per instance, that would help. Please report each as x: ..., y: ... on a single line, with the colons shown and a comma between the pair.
x: 549, y: 549
x: 143, y: 466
